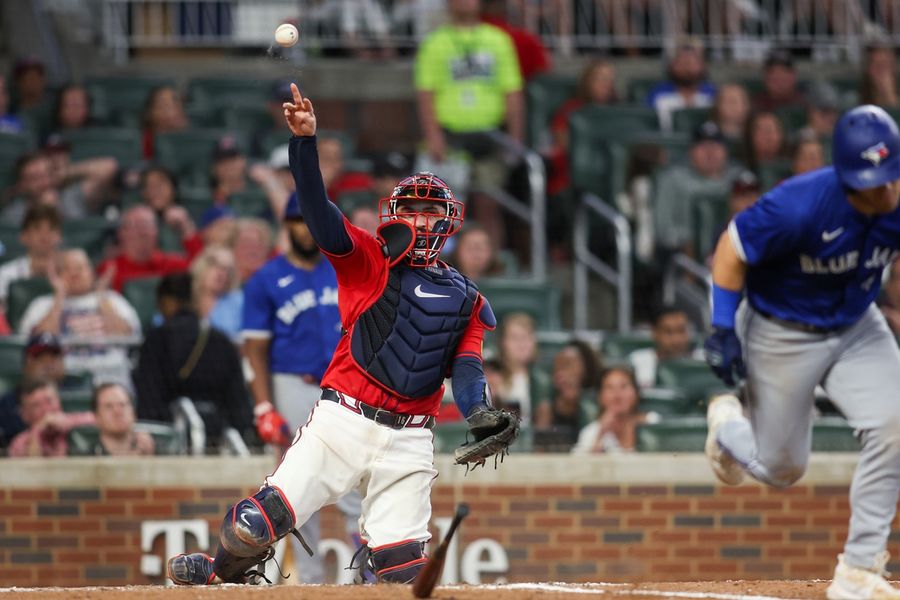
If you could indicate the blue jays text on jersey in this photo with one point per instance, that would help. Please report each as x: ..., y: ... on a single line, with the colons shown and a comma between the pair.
x: 298, y: 311
x: 812, y: 257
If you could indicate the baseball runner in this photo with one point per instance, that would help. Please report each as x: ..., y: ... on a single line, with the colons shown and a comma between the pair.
x: 408, y: 321
x: 809, y: 255
x: 291, y: 326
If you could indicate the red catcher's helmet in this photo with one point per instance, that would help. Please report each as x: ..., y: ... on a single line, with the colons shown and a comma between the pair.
x: 415, y: 197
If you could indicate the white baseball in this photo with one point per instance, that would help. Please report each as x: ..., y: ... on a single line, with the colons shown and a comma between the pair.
x: 286, y: 35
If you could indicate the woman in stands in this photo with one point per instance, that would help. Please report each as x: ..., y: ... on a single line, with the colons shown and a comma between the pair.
x: 614, y: 428
x: 524, y: 385
x: 575, y: 375
x: 163, y: 112
x: 73, y: 109
x: 158, y: 191
x: 596, y: 87
x: 217, y: 297
x: 764, y: 141
x: 475, y: 254
x: 731, y: 111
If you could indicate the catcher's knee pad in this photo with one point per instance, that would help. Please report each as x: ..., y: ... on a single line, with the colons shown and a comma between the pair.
x: 400, y: 562
x: 257, y: 522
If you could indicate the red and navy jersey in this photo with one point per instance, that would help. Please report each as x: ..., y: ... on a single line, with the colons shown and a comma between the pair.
x: 363, y: 275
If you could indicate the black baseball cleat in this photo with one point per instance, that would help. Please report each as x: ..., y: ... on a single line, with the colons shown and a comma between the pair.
x: 191, y: 569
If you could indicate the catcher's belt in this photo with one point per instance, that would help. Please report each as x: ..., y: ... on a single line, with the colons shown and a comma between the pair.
x: 379, y: 415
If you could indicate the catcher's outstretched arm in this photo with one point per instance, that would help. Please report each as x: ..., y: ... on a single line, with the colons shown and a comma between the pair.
x: 469, y: 386
x: 324, y: 218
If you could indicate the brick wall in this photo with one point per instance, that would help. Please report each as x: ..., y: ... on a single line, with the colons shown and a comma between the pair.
x: 90, y: 535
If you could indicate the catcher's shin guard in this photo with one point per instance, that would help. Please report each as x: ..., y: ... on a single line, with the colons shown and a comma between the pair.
x: 399, y: 562
x: 257, y: 522
x: 191, y: 569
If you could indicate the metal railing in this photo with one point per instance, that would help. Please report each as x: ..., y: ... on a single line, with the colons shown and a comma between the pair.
x: 739, y: 28
x: 533, y: 213
x: 585, y: 260
x: 687, y: 280
x: 189, y: 425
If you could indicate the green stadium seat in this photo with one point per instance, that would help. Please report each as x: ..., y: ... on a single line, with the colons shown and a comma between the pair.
x: 543, y: 96
x: 689, y: 376
x: 793, y: 118
x: 197, y: 200
x: 665, y: 402
x: 833, y: 434
x: 540, y: 300
x: 78, y: 400
x: 12, y: 146
x: 639, y: 88
x: 449, y: 436
x: 21, y: 293
x: 118, y: 95
x: 122, y: 144
x: 247, y: 119
x: 618, y: 346
x: 189, y: 152
x: 710, y: 215
x: 164, y: 435
x: 251, y: 203
x: 8, y: 382
x: 770, y: 174
x: 89, y: 233
x: 222, y: 92
x: 9, y: 241
x: 683, y: 434
x: 141, y: 294
x: 686, y: 120
x: 599, y: 138
x: 11, y: 350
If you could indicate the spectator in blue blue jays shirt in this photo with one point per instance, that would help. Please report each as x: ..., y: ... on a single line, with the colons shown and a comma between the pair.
x: 686, y: 87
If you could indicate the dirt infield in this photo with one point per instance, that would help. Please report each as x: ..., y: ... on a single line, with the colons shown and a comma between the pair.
x: 721, y: 590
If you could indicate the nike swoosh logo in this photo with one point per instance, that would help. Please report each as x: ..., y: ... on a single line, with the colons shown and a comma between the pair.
x: 244, y: 519
x: 828, y: 236
x: 285, y: 281
x: 418, y: 291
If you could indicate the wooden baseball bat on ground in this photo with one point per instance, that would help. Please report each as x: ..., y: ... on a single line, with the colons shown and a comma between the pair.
x: 431, y: 572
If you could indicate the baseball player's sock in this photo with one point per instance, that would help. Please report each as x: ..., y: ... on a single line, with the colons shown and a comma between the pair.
x: 722, y: 409
x: 854, y: 583
x: 191, y: 569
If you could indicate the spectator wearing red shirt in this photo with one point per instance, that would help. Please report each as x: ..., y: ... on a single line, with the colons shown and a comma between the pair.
x: 596, y: 86
x: 139, y: 254
x: 533, y: 56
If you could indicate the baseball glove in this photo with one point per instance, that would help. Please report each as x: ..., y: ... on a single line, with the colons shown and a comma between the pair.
x: 493, y: 431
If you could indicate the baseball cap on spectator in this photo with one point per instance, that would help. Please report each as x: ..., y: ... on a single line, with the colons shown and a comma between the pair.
x: 823, y: 96
x: 56, y: 143
x: 780, y: 57
x: 281, y: 92
x: 27, y: 64
x: 42, y: 342
x: 292, y: 208
x: 708, y: 131
x: 226, y: 148
x: 213, y: 214
x: 744, y: 182
x: 392, y: 164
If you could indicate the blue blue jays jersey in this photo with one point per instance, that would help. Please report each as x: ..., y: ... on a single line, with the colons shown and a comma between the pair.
x: 298, y: 310
x: 812, y: 257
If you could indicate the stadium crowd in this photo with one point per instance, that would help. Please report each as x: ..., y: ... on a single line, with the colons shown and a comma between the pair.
x: 129, y: 237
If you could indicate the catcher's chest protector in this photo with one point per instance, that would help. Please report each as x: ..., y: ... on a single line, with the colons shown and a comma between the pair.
x: 406, y: 340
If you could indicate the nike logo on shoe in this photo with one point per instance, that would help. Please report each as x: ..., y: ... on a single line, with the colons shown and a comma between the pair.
x: 285, y: 281
x: 421, y: 294
x: 828, y: 236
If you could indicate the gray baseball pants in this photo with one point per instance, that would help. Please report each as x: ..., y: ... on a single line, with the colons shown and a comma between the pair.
x: 859, y: 367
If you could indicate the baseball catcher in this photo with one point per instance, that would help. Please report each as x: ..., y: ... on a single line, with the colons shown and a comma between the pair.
x: 408, y: 321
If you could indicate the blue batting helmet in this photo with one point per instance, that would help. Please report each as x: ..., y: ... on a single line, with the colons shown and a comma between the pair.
x: 866, y: 148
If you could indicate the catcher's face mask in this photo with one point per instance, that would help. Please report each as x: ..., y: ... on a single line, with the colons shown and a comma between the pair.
x: 427, y: 204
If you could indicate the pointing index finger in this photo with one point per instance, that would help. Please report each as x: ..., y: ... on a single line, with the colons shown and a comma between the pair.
x: 295, y: 91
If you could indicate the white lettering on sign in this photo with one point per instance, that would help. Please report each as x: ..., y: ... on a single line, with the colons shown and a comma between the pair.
x: 175, y: 533
x: 482, y: 557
